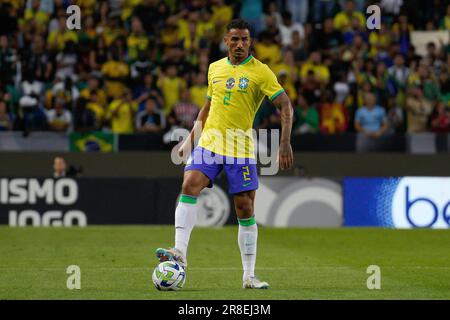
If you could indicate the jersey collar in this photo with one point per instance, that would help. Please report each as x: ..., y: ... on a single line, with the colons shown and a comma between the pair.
x: 242, y: 63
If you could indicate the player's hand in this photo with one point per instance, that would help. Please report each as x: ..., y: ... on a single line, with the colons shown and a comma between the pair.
x: 185, y: 149
x: 285, y: 156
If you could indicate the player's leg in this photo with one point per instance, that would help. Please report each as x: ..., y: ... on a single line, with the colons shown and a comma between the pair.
x: 199, y: 173
x: 243, y: 182
x: 248, y: 238
x: 194, y: 182
x: 186, y: 213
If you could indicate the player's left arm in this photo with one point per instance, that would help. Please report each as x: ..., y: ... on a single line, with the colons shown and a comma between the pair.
x: 285, y: 154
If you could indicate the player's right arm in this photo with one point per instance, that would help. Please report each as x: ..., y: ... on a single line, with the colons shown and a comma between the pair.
x: 188, y: 143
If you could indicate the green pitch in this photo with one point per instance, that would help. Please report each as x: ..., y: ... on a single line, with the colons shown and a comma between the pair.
x: 117, y: 263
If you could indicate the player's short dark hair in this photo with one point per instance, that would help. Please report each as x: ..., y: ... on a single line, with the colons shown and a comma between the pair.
x: 238, y: 24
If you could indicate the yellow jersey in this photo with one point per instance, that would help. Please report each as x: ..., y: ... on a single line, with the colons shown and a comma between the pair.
x: 236, y: 93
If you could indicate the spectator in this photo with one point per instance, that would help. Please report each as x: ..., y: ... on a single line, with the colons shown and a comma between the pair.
x: 5, y: 117
x: 94, y: 86
x: 395, y: 117
x: 328, y: 37
x: 402, y: 31
x: 83, y: 118
x: 445, y: 21
x: 199, y: 90
x: 142, y: 66
x: 147, y: 89
x: 433, y: 58
x: 221, y: 16
x: 371, y: 119
x: 150, y: 119
x: 379, y: 41
x: 116, y: 74
x: 34, y: 16
x: 440, y: 119
x: 287, y: 27
x: 314, y: 63
x: 323, y: 9
x: 57, y: 39
x: 341, y: 88
x: 65, y: 89
x: 272, y: 22
x: 170, y: 85
x: 299, y: 10
x: 97, y: 108
x: 58, y: 118
x: 99, y: 55
x: 59, y: 167
x: 30, y: 104
x: 355, y: 32
x: 121, y: 113
x: 36, y: 59
x: 8, y: 60
x: 287, y: 66
x: 66, y: 61
x: 137, y: 40
x: 444, y: 84
x: 184, y: 113
x: 306, y: 118
x: 310, y: 88
x: 344, y: 19
x: 399, y: 73
x: 418, y: 109
x: 147, y: 13
x: 333, y: 118
x: 427, y: 81
x: 252, y: 12
x: 298, y: 49
x: 267, y: 50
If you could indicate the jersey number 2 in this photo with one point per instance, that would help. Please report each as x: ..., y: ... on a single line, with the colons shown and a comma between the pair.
x: 227, y: 98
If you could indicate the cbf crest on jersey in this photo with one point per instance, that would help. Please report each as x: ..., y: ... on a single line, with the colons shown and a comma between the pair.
x: 230, y: 83
x: 243, y: 83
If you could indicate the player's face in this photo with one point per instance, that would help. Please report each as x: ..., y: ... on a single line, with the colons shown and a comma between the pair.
x: 238, y: 42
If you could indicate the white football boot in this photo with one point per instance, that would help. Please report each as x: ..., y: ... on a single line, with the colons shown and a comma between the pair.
x: 171, y: 254
x: 254, y: 283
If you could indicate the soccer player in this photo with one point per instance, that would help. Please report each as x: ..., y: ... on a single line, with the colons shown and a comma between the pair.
x: 237, y: 85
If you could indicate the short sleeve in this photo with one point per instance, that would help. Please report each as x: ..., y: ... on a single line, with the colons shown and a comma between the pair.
x: 209, y: 90
x: 269, y: 85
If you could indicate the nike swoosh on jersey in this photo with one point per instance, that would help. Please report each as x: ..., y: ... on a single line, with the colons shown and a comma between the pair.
x: 215, y: 81
x: 247, y: 184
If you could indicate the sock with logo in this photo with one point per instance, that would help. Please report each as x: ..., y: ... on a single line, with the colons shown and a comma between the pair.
x: 247, y: 239
x: 185, y: 219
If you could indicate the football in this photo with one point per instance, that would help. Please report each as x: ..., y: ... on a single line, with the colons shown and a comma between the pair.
x: 168, y: 276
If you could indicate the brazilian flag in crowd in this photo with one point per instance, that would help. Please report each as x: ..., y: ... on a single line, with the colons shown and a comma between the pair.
x: 93, y: 142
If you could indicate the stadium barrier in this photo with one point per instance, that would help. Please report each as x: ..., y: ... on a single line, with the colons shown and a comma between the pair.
x: 392, y: 202
x: 281, y: 202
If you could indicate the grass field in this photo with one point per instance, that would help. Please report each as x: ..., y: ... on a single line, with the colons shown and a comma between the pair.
x: 117, y: 263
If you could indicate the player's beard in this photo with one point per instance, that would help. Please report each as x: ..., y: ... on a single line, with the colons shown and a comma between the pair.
x: 239, y: 54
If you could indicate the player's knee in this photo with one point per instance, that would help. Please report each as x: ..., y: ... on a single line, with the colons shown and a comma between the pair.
x: 191, y: 187
x: 244, y: 208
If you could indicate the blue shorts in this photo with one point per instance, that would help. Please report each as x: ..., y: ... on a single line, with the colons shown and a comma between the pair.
x: 242, y: 174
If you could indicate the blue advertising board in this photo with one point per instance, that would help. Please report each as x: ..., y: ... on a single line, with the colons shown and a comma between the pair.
x: 407, y: 202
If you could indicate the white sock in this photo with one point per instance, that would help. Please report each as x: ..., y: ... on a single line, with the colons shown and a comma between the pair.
x: 185, y: 219
x: 247, y: 239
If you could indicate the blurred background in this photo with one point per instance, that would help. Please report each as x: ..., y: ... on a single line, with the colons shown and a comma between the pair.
x: 98, y: 104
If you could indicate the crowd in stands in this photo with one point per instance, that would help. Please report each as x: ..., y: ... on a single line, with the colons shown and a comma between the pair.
x: 141, y: 65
